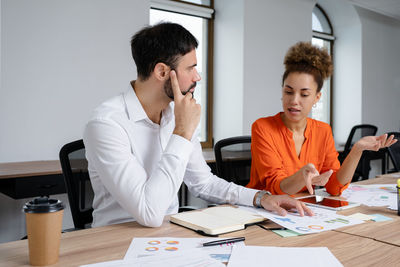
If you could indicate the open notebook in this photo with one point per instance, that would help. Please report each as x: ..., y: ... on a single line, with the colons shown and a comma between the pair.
x: 216, y: 220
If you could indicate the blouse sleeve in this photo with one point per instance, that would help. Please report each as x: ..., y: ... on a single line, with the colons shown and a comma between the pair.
x: 333, y: 187
x: 267, y: 161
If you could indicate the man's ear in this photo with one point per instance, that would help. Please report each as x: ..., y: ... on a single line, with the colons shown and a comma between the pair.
x: 161, y: 71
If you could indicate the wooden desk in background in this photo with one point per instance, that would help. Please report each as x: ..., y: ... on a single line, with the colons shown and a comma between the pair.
x: 31, y: 178
x: 353, y: 246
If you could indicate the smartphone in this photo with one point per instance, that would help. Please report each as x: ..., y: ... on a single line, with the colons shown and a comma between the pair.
x: 328, y: 203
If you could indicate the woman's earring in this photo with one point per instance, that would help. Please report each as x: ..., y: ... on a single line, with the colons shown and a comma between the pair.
x: 315, y: 105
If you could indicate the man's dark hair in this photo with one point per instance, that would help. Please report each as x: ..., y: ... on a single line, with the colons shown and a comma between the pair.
x: 164, y: 42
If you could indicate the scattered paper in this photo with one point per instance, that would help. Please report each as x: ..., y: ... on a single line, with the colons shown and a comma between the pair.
x: 323, y: 220
x: 380, y: 218
x: 191, y: 257
x: 393, y: 206
x: 378, y: 195
x: 145, y: 246
x: 286, y: 233
x: 282, y: 256
x: 361, y: 216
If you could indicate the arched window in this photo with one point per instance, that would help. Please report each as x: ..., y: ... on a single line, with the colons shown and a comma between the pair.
x: 323, y: 37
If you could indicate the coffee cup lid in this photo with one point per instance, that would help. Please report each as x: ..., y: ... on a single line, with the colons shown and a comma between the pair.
x: 43, y: 205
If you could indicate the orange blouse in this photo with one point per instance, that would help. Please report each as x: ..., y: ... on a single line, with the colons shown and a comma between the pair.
x: 274, y: 155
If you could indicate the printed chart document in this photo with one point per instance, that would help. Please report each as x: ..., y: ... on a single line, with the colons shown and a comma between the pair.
x: 282, y: 256
x: 152, y: 246
x: 216, y: 220
x: 192, y: 257
x: 379, y: 195
x: 322, y: 220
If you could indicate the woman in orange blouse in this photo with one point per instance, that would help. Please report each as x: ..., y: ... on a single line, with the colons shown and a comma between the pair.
x: 291, y: 152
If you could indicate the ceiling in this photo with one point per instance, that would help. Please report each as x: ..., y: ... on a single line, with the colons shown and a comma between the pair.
x: 389, y: 8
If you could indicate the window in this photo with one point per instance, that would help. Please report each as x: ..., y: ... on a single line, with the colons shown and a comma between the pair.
x: 195, y: 16
x: 323, y: 37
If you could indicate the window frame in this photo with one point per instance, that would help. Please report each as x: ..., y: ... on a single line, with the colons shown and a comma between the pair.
x: 330, y: 37
x: 210, y: 62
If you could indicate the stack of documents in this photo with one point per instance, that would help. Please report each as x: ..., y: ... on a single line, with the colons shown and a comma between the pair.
x: 173, y: 251
x: 180, y: 252
x: 178, y: 259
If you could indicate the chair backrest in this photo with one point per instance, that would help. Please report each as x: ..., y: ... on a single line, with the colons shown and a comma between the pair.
x: 357, y: 132
x: 233, y: 159
x: 80, y: 193
x: 394, y: 151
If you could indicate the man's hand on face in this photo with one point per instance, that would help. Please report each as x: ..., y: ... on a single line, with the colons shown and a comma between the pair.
x: 187, y: 112
x: 282, y: 203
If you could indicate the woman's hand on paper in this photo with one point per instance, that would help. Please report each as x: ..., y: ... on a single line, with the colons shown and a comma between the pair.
x: 282, y: 203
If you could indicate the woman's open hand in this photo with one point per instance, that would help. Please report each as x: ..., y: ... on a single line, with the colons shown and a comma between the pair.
x: 375, y: 142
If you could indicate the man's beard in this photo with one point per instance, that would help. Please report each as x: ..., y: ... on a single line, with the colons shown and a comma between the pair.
x: 168, y: 89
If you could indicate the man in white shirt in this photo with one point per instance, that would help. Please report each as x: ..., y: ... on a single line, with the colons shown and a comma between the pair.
x: 140, y: 145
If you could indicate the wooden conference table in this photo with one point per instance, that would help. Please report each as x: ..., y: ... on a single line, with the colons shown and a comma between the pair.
x: 368, y: 244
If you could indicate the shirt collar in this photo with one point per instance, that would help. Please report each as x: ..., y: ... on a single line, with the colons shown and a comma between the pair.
x: 307, y: 131
x: 135, y: 109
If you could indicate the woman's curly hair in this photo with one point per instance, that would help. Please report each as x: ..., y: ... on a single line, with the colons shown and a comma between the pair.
x: 304, y: 57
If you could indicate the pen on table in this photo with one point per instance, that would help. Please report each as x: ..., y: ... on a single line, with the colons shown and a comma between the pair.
x: 223, y: 241
x: 271, y: 228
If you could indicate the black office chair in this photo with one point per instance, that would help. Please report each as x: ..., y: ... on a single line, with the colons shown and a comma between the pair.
x: 80, y: 193
x: 394, y: 152
x: 79, y: 189
x: 233, y: 159
x: 363, y: 167
x: 357, y: 132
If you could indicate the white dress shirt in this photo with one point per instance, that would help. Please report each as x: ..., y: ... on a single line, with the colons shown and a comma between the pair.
x: 136, y: 166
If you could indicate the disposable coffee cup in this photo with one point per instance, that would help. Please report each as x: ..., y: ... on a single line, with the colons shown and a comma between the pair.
x: 43, y: 225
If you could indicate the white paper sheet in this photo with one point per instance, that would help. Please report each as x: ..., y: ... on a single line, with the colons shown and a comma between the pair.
x: 144, y: 246
x: 282, y: 256
x: 191, y: 257
x: 377, y: 195
x: 323, y: 220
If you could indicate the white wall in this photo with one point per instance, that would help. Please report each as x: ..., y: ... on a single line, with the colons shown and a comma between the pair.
x: 366, y: 66
x: 347, y: 78
x: 381, y: 70
x: 251, y: 39
x: 271, y: 27
x: 228, y: 68
x: 60, y: 59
